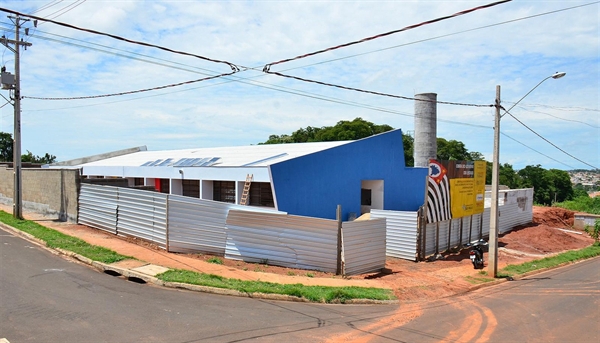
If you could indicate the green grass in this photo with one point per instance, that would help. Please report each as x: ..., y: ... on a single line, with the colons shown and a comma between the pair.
x: 215, y: 260
x: 313, y: 293
x: 581, y: 204
x: 55, y: 239
x: 478, y: 280
x: 549, y: 262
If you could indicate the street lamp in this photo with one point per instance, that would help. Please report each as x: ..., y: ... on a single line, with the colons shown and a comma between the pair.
x: 493, y: 241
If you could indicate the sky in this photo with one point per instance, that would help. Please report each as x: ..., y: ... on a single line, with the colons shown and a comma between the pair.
x: 516, y: 45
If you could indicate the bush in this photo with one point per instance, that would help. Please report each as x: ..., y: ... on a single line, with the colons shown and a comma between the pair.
x: 581, y: 204
x: 594, y: 231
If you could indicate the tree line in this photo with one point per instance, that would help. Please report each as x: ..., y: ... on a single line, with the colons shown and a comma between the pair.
x: 6, y: 152
x: 549, y: 186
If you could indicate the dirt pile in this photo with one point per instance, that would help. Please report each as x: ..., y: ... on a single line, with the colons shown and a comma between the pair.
x: 553, y: 217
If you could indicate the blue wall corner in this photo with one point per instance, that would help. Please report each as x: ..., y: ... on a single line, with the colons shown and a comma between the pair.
x: 313, y: 185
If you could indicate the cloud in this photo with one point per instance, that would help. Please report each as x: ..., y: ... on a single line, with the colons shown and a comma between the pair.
x: 461, y: 59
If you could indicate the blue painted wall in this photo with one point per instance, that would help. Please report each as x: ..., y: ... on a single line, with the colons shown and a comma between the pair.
x: 313, y: 185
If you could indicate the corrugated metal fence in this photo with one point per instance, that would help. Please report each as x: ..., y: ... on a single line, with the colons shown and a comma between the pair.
x: 98, y: 207
x: 142, y: 214
x: 188, y: 225
x: 200, y: 225
x: 364, y: 245
x: 401, y: 233
x: 184, y: 224
x: 289, y: 241
x: 515, y: 208
x: 405, y: 240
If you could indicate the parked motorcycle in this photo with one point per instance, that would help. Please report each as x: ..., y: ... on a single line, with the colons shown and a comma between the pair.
x: 476, y: 253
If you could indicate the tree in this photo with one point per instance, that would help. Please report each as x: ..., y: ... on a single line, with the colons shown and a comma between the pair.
x: 409, y: 147
x: 360, y: 128
x: 452, y: 150
x: 31, y: 158
x: 6, y: 152
x: 342, y: 131
x: 6, y: 147
x: 560, y: 185
x: 535, y: 177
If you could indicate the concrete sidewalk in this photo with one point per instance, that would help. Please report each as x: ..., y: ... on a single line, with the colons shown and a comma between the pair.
x: 150, y: 261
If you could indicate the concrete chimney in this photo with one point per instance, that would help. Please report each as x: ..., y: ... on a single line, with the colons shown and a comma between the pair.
x: 425, y: 143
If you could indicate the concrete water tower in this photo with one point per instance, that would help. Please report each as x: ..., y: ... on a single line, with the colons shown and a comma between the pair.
x: 425, y: 143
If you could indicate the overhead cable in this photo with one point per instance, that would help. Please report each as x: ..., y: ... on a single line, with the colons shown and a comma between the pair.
x: 562, y: 108
x: 554, y: 145
x: 528, y: 147
x: 375, y: 93
x: 557, y: 117
x: 65, y: 9
x: 231, y: 65
x: 132, y: 92
x: 268, y: 66
x: 448, y: 35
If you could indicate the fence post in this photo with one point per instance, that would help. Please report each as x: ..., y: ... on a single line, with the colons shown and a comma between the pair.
x: 437, y: 238
x: 449, y: 234
x: 481, y: 226
x: 470, y: 228
x: 420, y: 234
x: 167, y: 225
x: 340, y: 243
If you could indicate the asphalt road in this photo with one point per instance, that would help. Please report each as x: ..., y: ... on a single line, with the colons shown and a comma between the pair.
x: 44, y: 298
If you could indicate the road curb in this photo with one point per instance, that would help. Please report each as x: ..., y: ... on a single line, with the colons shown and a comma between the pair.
x: 132, y: 274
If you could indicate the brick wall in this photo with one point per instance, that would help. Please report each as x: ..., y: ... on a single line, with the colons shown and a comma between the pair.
x: 47, y: 191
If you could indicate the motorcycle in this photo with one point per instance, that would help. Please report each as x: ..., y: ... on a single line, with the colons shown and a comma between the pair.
x: 476, y: 253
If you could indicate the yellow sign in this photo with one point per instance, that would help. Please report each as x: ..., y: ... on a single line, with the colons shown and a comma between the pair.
x: 467, y: 193
x: 479, y: 177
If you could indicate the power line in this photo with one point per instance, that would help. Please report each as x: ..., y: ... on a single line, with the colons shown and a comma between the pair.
x: 231, y: 65
x: 554, y: 145
x: 117, y: 54
x: 448, y: 35
x: 562, y: 108
x: 374, y: 92
x: 268, y: 66
x: 557, y: 117
x: 65, y: 9
x: 48, y: 5
x: 528, y: 147
x: 132, y: 92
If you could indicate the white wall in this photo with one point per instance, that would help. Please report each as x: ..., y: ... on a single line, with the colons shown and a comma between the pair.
x: 176, y: 186
x: 376, y: 187
x: 206, y: 190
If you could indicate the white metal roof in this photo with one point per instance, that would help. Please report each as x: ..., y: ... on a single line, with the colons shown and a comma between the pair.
x: 238, y: 156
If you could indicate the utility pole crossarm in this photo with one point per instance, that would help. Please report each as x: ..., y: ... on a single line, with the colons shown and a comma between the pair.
x: 5, y: 41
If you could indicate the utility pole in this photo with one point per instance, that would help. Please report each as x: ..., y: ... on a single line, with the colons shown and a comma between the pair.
x: 493, y: 241
x: 18, y: 43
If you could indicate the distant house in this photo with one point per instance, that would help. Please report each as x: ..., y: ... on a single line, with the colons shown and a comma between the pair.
x: 306, y: 179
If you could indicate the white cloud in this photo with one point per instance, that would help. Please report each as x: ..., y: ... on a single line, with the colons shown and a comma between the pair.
x: 248, y: 107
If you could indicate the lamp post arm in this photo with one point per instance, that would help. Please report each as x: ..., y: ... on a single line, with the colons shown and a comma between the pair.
x: 524, y: 96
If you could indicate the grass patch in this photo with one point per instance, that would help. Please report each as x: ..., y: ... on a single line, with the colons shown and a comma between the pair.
x: 549, y: 262
x: 215, y: 260
x: 478, y: 280
x: 313, y: 293
x: 55, y: 239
